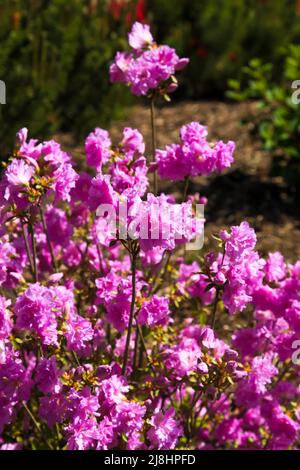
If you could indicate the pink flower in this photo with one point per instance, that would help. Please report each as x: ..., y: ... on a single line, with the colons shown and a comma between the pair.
x: 118, y: 70
x: 98, y: 148
x: 140, y: 36
x: 79, y: 333
x: 172, y: 163
x: 34, y: 312
x: 148, y: 66
x: 6, y: 322
x: 155, y: 312
x: 164, y: 431
x: 275, y: 267
x: 19, y: 173
x: 101, y: 192
x: 47, y: 373
x: 118, y: 310
x: 194, y: 155
x: 240, y: 240
x: 133, y: 141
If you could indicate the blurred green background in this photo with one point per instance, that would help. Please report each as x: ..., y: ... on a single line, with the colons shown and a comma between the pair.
x: 54, y: 54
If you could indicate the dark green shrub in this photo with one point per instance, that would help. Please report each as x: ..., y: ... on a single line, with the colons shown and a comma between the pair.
x: 221, y: 36
x: 54, y: 59
x: 277, y: 120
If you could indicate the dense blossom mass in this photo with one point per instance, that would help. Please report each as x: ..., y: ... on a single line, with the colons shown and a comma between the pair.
x: 112, y: 335
x: 194, y: 156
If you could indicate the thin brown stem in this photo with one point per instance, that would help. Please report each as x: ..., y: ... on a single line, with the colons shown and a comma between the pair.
x: 48, y: 238
x: 215, y: 306
x: 101, y: 269
x: 153, y: 133
x: 25, y: 237
x: 136, y: 349
x: 34, y: 254
x: 36, y: 423
x: 131, y: 316
x: 139, y: 329
x: 186, y: 187
x: 163, y: 274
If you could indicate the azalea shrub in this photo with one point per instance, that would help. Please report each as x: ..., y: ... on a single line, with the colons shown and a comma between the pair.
x: 116, y: 331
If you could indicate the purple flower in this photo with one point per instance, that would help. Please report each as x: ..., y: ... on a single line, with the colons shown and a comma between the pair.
x: 79, y: 332
x: 207, y: 338
x: 83, y: 434
x: 34, y: 312
x: 19, y: 173
x: 275, y: 267
x: 253, y: 387
x: 55, y: 166
x: 228, y: 430
x: 15, y: 183
x: 172, y: 163
x: 140, y: 36
x: 240, y: 269
x: 118, y: 310
x: 6, y: 322
x: 15, y: 386
x: 65, y: 178
x: 182, y: 359
x: 47, y: 374
x: 240, y: 240
x: 98, y: 148
x: 292, y: 315
x: 133, y: 142
x: 164, y: 431
x: 112, y: 391
x: 101, y: 192
x: 130, y: 175
x: 81, y: 190
x: 194, y: 284
x: 149, y: 66
x: 52, y: 408
x: 224, y: 154
x: 194, y: 156
x: 155, y: 312
x: 284, y: 430
x: 118, y: 70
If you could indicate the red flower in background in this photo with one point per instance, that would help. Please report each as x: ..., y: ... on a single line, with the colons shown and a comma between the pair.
x: 201, y: 52
x: 139, y: 13
x: 16, y: 19
x: 115, y: 7
x: 232, y: 56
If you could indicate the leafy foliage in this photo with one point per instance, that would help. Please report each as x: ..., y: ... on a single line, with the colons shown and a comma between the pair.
x: 54, y: 59
x: 278, y: 119
x: 222, y: 36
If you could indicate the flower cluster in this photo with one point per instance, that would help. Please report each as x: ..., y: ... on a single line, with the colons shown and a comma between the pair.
x: 111, y: 336
x: 194, y: 156
x: 148, y: 68
x: 35, y: 171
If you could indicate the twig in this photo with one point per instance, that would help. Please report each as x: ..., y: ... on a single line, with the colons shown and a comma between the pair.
x: 131, y: 316
x: 27, y: 247
x: 34, y: 254
x: 215, y: 305
x: 48, y: 238
x: 153, y: 133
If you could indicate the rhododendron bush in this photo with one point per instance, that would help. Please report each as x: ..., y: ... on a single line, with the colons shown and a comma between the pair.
x: 113, y: 335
